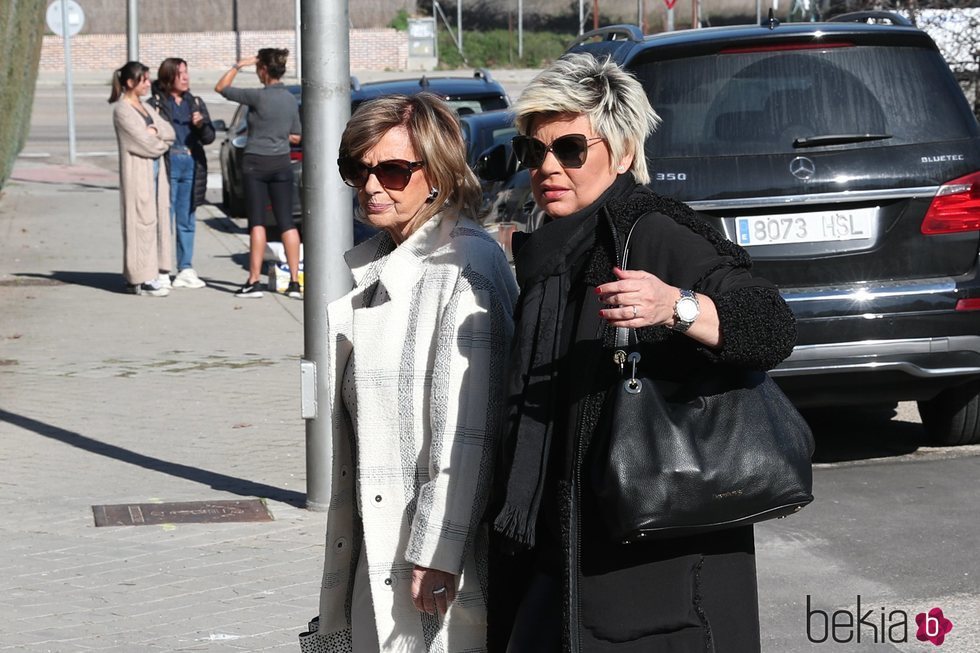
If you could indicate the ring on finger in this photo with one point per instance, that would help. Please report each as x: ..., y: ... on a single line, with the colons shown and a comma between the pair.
x: 439, y: 590
x: 634, y: 312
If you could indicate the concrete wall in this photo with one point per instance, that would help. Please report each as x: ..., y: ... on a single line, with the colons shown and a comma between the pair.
x: 370, y: 49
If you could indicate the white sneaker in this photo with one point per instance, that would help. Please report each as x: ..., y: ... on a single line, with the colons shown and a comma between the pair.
x: 187, y: 278
x: 148, y: 289
x: 163, y: 280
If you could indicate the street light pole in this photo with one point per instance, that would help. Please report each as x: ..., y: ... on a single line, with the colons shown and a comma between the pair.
x: 133, y: 30
x: 234, y: 26
x: 459, y: 27
x: 69, y: 92
x: 327, y: 221
x: 520, y: 29
x: 298, y: 44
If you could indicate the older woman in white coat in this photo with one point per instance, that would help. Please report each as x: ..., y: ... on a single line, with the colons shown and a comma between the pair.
x: 144, y: 191
x: 418, y: 378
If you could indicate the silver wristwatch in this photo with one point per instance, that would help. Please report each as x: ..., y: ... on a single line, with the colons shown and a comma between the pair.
x: 686, y: 311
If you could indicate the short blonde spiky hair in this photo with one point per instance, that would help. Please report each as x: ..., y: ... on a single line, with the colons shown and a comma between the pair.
x: 614, y: 101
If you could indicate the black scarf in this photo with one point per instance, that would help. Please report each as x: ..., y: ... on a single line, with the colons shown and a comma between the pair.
x: 545, y: 261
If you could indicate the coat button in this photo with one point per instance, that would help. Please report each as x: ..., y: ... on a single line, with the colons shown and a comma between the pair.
x: 378, y: 499
x: 388, y: 582
x: 340, y: 543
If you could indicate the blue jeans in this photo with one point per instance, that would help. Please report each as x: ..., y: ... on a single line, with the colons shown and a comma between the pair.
x: 181, y: 206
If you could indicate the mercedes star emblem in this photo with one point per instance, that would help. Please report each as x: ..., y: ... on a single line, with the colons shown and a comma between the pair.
x: 802, y: 168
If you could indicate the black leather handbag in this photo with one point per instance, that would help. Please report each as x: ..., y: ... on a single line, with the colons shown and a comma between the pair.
x: 681, y: 458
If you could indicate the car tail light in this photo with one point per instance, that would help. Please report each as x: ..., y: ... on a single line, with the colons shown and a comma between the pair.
x: 295, y: 155
x: 955, y: 208
x: 968, y: 304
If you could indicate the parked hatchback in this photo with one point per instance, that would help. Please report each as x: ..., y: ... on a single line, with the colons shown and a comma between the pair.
x: 845, y: 158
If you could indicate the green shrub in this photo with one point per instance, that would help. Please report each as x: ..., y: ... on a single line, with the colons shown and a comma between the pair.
x: 21, y: 29
x: 400, y: 21
x: 498, y: 49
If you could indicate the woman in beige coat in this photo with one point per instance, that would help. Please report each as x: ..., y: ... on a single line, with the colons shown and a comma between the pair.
x: 416, y: 392
x: 144, y: 191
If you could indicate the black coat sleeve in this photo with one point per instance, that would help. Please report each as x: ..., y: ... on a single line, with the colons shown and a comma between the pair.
x: 758, y: 329
x: 205, y: 133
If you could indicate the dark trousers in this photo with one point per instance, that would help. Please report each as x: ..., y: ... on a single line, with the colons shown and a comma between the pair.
x: 537, y: 628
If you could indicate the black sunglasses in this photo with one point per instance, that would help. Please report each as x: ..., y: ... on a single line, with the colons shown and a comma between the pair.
x: 393, y: 174
x: 571, y: 150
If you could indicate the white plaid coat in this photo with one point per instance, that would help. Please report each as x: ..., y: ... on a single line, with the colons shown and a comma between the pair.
x: 430, y: 379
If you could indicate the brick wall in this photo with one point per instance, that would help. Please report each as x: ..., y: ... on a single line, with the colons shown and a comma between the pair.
x: 370, y: 49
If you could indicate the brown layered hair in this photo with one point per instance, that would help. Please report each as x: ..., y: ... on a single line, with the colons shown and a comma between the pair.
x: 167, y: 73
x: 437, y: 138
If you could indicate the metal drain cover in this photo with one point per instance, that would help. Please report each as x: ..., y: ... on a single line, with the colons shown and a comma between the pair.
x: 186, y: 512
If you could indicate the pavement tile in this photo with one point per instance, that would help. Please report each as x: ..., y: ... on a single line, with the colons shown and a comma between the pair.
x: 107, y: 398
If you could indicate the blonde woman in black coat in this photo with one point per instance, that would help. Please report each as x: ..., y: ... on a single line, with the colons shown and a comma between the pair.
x: 558, y: 582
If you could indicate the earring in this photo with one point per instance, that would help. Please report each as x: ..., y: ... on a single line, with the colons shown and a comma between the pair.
x: 621, y: 169
x: 433, y: 194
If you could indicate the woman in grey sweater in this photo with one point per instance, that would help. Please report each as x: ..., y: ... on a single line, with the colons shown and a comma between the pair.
x: 273, y: 124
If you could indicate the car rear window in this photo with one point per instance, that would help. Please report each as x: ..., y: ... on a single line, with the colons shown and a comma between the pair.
x: 477, y: 104
x: 761, y: 101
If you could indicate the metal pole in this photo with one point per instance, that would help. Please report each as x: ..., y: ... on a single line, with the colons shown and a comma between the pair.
x: 758, y: 12
x: 459, y: 27
x: 520, y: 29
x: 69, y: 92
x: 639, y: 13
x: 327, y: 227
x: 595, y: 14
x: 298, y: 32
x: 132, y: 30
x: 234, y: 27
x: 695, y: 14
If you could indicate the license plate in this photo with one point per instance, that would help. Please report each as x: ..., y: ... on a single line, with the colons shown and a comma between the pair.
x: 816, y: 227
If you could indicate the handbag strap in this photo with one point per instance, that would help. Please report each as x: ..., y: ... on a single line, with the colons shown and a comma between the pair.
x: 622, y: 333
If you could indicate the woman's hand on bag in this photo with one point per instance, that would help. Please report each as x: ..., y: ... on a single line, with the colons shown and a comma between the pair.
x: 432, y: 589
x: 638, y: 299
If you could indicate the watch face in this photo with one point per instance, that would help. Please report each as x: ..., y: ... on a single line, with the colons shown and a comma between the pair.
x: 687, y: 309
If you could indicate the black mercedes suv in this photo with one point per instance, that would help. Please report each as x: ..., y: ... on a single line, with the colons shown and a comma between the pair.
x: 845, y: 158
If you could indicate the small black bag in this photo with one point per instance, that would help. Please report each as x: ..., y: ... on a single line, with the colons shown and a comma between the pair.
x: 674, y: 459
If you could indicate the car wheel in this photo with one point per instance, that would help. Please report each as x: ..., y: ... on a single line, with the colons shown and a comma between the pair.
x: 952, y: 417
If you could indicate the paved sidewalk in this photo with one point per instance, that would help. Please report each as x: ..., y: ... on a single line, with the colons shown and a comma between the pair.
x: 110, y: 398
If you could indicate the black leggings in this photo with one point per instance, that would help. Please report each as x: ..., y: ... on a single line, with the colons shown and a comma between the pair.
x: 268, y: 182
